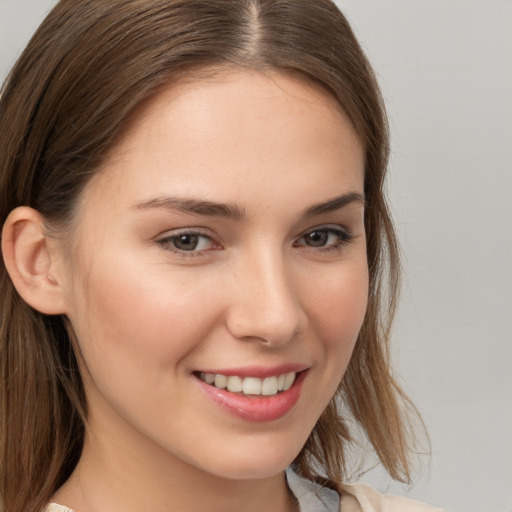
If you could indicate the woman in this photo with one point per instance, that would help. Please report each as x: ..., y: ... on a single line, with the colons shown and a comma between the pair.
x: 197, y: 257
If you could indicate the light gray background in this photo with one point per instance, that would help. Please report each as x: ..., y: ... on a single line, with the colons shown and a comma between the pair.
x: 445, y: 67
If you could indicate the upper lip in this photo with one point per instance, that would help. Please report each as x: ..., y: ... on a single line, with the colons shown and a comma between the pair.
x: 258, y: 371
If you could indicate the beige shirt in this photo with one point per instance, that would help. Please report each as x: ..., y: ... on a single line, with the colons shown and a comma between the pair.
x: 354, y: 498
x: 361, y: 498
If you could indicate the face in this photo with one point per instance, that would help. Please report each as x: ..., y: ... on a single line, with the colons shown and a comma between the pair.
x: 219, y: 277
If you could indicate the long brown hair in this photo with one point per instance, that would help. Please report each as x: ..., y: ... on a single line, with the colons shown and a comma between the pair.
x: 87, y: 68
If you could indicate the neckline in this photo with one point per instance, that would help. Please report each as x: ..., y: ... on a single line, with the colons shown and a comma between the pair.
x: 309, y: 496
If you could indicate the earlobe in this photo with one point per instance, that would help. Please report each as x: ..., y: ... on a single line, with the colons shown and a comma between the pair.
x: 28, y: 259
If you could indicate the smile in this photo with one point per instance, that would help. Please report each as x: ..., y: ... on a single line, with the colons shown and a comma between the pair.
x: 264, y: 398
x: 268, y: 386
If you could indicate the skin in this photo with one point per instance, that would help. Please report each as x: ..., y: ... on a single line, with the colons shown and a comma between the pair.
x: 255, y: 292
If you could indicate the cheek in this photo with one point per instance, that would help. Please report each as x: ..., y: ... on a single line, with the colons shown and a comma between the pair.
x: 337, y: 308
x: 134, y: 322
x: 135, y: 331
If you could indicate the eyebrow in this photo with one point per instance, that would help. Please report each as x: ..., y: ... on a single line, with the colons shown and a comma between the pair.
x: 195, y: 206
x: 234, y: 212
x: 335, y: 204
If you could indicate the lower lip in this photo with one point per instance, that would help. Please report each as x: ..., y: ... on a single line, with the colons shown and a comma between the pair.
x: 256, y: 408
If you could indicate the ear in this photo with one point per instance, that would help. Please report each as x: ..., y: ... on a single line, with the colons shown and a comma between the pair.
x: 27, y: 253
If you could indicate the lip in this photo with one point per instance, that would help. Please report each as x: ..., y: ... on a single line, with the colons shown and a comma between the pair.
x: 255, y: 408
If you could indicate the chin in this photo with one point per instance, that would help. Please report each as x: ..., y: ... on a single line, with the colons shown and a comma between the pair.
x: 264, y: 462
x: 250, y: 471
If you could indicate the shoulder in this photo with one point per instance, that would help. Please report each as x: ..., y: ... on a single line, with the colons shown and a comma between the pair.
x: 362, y: 498
x: 349, y: 498
x: 54, y: 507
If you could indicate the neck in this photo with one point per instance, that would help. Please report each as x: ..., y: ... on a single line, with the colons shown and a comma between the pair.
x: 136, y: 476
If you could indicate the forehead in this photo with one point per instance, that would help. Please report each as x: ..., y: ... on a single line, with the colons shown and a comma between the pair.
x: 218, y: 134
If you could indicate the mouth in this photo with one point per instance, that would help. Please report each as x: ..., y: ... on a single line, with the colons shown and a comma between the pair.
x: 254, y: 394
x: 250, y: 386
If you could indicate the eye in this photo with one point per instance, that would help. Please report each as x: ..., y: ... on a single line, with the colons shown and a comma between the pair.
x: 325, y: 238
x: 187, y: 242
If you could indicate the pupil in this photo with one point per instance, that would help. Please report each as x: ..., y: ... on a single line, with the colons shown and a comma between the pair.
x: 317, y: 238
x: 186, y: 242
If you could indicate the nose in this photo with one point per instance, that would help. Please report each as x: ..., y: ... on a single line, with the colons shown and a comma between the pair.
x: 265, y: 305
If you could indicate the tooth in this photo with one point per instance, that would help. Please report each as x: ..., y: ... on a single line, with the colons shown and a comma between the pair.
x: 220, y: 381
x: 289, y: 380
x: 235, y: 384
x: 252, y: 386
x: 269, y: 386
x: 280, y: 382
x: 209, y: 378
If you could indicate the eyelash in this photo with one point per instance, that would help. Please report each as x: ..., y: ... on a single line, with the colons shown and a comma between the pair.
x: 167, y: 244
x: 344, y: 238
